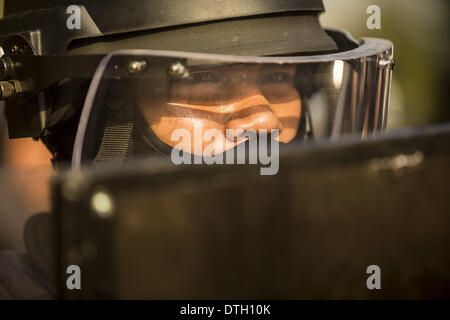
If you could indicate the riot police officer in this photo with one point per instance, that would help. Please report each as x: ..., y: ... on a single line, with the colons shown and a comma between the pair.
x: 252, y: 65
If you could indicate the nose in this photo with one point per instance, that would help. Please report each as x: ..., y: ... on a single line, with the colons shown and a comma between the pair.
x: 253, y: 113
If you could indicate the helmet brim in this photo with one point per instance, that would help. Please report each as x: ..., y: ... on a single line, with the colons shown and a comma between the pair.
x: 264, y: 36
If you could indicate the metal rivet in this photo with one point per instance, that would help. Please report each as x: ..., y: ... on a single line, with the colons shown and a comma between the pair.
x: 136, y: 66
x: 178, y: 70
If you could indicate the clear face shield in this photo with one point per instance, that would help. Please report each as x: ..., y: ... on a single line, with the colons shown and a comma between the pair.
x: 145, y: 103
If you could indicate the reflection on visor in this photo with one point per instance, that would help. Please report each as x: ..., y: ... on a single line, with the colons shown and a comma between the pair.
x: 133, y: 116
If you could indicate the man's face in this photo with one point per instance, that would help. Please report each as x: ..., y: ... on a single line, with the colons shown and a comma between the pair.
x: 240, y: 97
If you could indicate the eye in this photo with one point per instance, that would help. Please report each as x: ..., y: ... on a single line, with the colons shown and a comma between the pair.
x: 276, y: 77
x: 199, y: 77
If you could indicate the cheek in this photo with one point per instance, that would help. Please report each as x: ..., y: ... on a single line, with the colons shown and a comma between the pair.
x: 288, y: 114
x: 166, y: 123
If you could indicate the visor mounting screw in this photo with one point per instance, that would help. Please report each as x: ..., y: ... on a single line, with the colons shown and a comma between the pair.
x: 178, y: 70
x: 136, y: 66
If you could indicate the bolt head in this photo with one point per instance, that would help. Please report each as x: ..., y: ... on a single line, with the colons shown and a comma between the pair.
x: 178, y: 70
x: 136, y: 66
